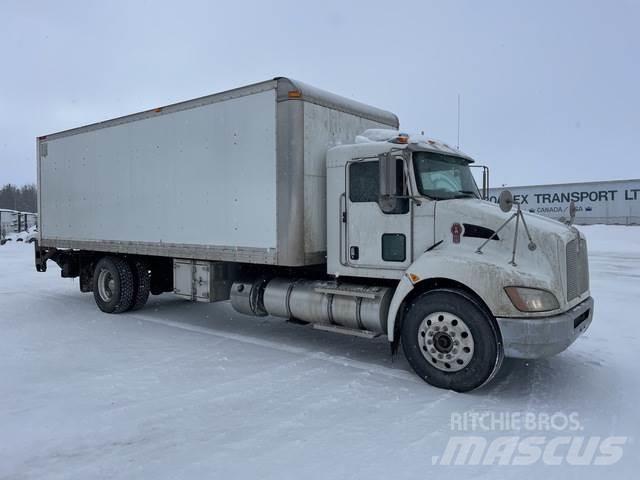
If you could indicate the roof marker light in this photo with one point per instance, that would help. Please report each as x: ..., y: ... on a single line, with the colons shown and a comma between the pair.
x: 402, y: 138
x: 294, y: 94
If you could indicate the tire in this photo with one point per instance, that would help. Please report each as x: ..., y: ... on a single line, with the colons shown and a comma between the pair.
x: 450, y: 341
x: 113, y: 286
x: 141, y: 284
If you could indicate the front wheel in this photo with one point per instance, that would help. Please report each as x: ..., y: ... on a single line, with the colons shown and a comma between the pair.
x: 450, y: 341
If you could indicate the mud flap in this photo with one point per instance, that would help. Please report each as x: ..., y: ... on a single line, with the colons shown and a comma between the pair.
x: 40, y: 258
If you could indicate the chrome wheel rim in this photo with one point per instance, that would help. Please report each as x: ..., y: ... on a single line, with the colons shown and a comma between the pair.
x: 106, y: 285
x: 446, y: 341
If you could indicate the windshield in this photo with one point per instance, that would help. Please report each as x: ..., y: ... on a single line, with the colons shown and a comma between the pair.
x: 443, y: 177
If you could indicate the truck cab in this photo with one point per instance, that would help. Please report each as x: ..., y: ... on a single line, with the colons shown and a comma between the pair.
x: 408, y: 209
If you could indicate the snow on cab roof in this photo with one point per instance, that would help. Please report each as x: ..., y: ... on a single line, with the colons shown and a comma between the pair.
x: 374, y: 135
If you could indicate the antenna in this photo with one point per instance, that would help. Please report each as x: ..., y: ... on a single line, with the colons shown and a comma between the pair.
x: 458, y: 143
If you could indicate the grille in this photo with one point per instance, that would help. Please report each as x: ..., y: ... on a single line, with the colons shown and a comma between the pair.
x: 577, y: 268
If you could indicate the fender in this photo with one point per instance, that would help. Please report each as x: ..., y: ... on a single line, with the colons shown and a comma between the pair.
x: 484, y: 275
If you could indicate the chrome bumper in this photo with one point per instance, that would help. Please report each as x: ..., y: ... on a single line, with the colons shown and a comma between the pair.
x: 544, y: 336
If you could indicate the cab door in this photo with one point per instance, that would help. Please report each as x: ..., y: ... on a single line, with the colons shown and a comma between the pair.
x: 375, y: 239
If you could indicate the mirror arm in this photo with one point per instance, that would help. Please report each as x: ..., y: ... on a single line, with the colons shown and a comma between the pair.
x: 485, y: 180
x: 486, y: 170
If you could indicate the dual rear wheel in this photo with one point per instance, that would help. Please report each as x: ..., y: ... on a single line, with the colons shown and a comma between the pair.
x: 120, y: 285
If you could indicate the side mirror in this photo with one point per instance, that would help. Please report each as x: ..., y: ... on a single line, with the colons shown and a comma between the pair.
x: 388, y: 183
x: 387, y: 175
x: 505, y: 200
x: 572, y: 212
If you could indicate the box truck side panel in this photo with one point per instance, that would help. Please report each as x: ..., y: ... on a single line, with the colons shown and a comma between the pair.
x: 201, y: 178
x: 237, y: 176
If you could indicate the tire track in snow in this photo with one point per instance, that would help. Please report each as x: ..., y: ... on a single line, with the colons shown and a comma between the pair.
x: 309, y: 354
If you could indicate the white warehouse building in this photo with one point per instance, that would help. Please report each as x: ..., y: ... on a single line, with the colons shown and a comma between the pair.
x: 615, y: 202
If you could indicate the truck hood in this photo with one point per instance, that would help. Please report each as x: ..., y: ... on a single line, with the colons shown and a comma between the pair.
x: 489, y: 215
x: 476, y: 220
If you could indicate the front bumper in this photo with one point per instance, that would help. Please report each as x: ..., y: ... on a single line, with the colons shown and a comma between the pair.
x: 544, y: 336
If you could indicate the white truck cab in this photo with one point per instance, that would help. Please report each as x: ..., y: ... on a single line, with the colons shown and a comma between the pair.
x: 295, y: 202
x: 407, y: 208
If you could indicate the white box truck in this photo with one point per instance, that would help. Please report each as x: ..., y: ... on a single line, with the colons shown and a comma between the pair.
x: 291, y: 201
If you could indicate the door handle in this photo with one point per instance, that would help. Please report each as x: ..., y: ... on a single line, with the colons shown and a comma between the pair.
x: 354, y: 253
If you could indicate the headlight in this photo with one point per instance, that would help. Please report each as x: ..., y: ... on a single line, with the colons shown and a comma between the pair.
x: 532, y: 299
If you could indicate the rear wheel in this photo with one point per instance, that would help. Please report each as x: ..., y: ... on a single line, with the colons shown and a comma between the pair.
x: 141, y: 283
x: 450, y: 341
x: 113, y: 287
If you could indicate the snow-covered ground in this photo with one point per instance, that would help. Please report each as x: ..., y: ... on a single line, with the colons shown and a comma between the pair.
x: 181, y: 390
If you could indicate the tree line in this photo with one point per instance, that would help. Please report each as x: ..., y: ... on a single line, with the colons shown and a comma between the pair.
x: 23, y: 199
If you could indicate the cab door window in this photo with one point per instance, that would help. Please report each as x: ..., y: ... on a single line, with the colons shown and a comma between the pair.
x: 364, y: 183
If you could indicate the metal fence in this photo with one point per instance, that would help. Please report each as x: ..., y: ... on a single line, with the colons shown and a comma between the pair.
x: 12, y: 221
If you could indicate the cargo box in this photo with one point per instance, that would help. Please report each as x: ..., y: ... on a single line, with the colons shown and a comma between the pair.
x: 236, y: 176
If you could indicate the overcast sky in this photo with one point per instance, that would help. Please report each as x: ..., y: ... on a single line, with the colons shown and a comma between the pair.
x: 550, y: 89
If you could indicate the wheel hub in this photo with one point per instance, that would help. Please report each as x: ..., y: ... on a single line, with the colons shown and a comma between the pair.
x: 106, y: 285
x: 446, y: 341
x: 442, y: 342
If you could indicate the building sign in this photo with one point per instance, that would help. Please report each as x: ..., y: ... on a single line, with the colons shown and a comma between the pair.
x: 614, y: 202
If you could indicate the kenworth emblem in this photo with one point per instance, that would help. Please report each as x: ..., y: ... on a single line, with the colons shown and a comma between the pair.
x: 456, y: 231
